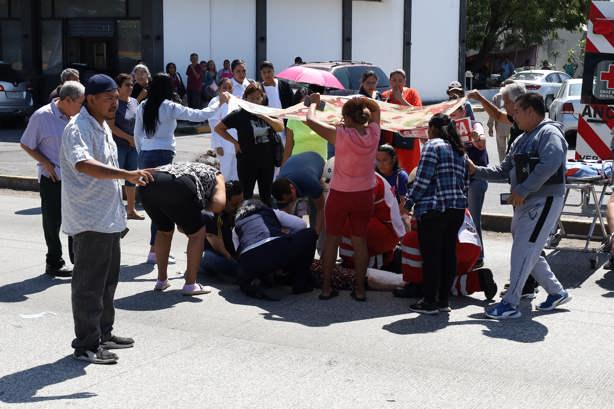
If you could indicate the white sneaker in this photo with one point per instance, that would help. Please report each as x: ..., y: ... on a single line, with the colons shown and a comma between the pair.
x: 161, y: 285
x: 151, y: 258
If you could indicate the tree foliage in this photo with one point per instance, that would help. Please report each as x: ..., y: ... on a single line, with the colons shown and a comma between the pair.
x: 495, y: 24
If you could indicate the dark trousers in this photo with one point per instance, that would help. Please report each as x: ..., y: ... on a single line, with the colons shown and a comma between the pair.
x: 51, y: 208
x: 252, y: 171
x: 153, y: 159
x: 292, y: 253
x: 94, y: 280
x: 438, y: 234
x: 195, y: 99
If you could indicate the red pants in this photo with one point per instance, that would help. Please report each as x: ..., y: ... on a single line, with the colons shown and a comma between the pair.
x: 381, y: 241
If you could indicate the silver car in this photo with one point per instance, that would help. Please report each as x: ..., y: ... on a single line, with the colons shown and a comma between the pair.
x: 15, y: 94
x: 545, y: 82
x: 566, y: 109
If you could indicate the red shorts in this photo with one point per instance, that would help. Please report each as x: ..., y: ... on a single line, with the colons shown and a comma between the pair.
x: 355, y: 208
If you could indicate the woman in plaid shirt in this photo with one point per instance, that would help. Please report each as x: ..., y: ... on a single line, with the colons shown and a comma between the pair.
x: 438, y: 198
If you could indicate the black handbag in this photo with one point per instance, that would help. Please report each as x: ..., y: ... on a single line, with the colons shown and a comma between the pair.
x: 278, y: 147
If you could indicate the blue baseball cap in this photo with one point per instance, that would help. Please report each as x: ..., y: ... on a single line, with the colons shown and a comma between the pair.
x: 100, y: 83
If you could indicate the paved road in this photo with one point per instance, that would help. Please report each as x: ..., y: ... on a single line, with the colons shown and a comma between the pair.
x: 223, y: 350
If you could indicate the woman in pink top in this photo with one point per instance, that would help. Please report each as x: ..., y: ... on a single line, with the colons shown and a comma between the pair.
x: 351, y: 191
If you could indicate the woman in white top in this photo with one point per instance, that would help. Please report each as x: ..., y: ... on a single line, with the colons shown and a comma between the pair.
x: 225, y: 150
x: 239, y: 78
x: 154, y: 129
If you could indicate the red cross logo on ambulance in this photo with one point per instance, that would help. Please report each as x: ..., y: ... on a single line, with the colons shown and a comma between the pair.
x: 608, y: 76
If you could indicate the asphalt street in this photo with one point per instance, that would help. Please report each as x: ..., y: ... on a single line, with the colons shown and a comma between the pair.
x: 223, y: 350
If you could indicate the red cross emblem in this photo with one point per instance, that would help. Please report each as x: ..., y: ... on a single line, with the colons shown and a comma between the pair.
x: 608, y: 76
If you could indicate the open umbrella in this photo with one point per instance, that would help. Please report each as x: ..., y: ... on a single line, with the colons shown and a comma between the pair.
x: 307, y: 75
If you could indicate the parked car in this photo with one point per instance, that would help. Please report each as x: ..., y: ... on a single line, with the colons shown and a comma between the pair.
x: 545, y: 82
x: 566, y: 109
x: 15, y: 94
x: 349, y: 73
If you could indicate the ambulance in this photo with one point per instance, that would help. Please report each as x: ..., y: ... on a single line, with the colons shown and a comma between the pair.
x: 596, y: 120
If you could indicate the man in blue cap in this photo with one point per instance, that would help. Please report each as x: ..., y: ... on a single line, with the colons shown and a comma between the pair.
x: 93, y: 213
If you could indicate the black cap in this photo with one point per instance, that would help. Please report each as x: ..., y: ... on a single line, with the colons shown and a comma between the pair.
x: 100, y: 83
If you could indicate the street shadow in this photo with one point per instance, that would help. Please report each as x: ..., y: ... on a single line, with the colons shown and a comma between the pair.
x: 18, y: 292
x: 154, y: 300
x: 22, y: 387
x: 607, y: 283
x: 29, y: 212
x: 133, y: 272
x: 523, y: 330
x: 573, y: 267
x: 308, y: 310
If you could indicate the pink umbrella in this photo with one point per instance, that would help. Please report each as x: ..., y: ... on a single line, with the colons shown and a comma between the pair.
x: 307, y: 75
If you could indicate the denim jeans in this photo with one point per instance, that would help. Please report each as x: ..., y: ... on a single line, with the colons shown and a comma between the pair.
x: 127, y: 158
x: 214, y: 263
x: 152, y: 159
x: 477, y: 191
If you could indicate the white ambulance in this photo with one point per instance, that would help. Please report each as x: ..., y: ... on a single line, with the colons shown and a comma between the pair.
x: 596, y: 121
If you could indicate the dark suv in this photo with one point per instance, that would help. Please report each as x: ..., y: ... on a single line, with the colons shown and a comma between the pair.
x: 349, y: 73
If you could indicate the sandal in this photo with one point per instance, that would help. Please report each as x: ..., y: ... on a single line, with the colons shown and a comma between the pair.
x: 161, y: 285
x: 332, y: 294
x: 194, y: 289
x: 356, y: 298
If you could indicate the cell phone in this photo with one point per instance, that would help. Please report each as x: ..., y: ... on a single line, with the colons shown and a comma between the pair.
x: 505, y: 197
x: 320, y: 106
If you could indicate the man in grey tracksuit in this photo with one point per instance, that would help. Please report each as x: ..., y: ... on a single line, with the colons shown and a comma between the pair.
x: 535, y: 166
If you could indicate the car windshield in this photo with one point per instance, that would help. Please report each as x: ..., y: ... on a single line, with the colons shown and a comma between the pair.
x: 575, y: 90
x: 351, y: 76
x: 527, y: 76
x: 7, y: 73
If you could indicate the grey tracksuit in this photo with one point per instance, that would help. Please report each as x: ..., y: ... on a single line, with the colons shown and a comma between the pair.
x: 537, y: 216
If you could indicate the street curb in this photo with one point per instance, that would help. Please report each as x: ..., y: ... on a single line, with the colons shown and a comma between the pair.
x: 19, y: 183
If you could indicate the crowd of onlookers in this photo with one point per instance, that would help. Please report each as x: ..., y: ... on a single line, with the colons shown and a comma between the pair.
x: 395, y: 209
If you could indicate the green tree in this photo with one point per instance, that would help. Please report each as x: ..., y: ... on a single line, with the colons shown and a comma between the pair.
x: 494, y: 24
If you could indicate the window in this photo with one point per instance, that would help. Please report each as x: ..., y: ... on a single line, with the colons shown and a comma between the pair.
x: 554, y: 78
x: 355, y: 74
x: 90, y: 8
x: 51, y: 46
x: 343, y: 77
x: 4, y: 8
x: 128, y: 44
x: 564, y: 77
x: 575, y: 90
x: 10, y: 43
x: 527, y: 76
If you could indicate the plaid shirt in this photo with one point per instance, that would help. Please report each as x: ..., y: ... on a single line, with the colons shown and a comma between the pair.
x: 441, y: 180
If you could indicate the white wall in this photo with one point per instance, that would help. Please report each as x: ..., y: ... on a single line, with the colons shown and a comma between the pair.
x: 214, y: 29
x: 377, y: 33
x: 434, y: 51
x: 310, y: 29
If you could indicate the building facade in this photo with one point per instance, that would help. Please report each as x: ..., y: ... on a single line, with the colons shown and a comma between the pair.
x: 41, y: 37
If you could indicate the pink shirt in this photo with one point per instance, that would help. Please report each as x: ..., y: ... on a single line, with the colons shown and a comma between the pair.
x: 355, y: 159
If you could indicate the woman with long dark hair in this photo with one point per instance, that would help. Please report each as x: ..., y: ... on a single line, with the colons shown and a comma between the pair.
x: 178, y: 86
x: 154, y: 130
x: 438, y: 198
x: 368, y: 85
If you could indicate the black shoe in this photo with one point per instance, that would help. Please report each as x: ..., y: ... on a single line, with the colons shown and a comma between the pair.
x: 409, y: 291
x: 116, y: 342
x: 422, y: 307
x: 610, y: 264
x: 443, y: 306
x: 487, y: 283
x: 99, y: 356
x: 58, y: 272
x: 258, y: 293
x: 478, y: 264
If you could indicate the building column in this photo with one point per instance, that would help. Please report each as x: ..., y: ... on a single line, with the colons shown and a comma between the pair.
x: 261, y: 32
x: 346, y: 30
x: 31, y: 45
x: 407, y: 40
x: 462, y: 40
x: 152, y: 35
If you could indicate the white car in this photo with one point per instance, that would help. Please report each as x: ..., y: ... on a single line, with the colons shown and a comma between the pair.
x: 566, y: 109
x: 545, y: 82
